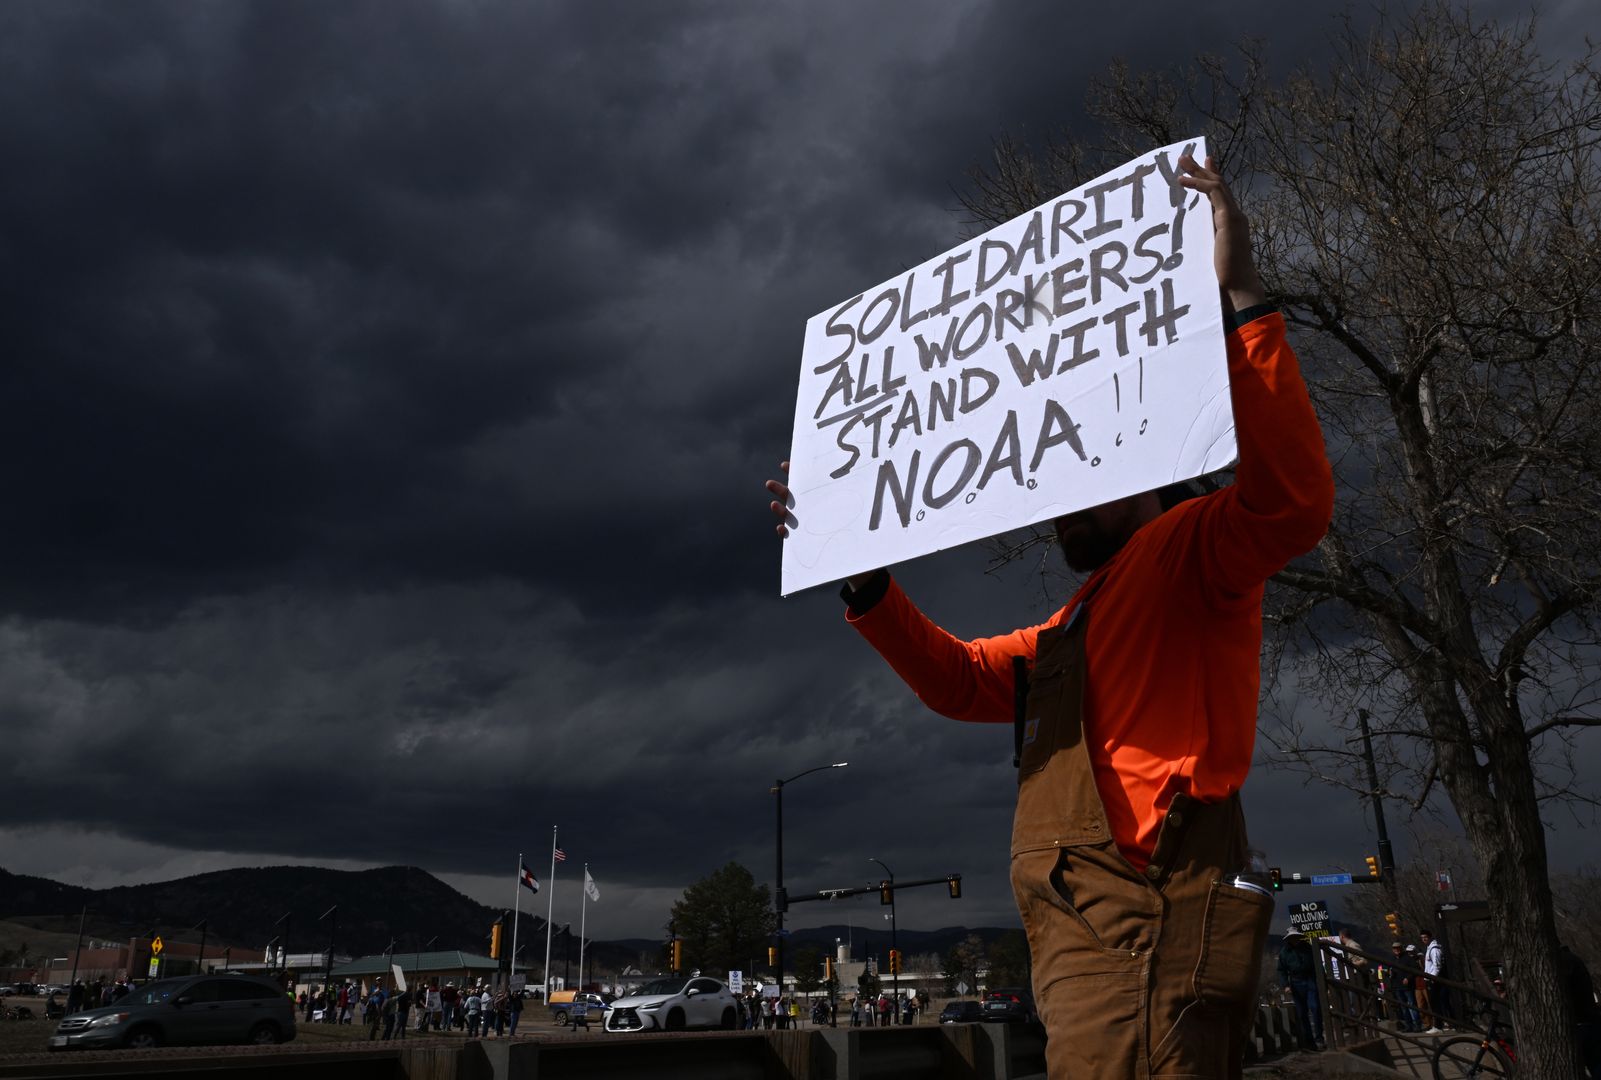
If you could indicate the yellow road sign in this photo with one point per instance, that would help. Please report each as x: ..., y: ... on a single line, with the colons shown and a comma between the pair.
x: 155, y: 946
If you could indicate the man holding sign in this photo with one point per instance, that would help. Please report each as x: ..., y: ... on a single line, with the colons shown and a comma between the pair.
x: 1135, y: 707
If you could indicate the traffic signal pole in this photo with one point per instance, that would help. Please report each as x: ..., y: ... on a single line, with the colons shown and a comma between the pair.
x: 1386, y: 852
x: 894, y: 950
x: 953, y: 882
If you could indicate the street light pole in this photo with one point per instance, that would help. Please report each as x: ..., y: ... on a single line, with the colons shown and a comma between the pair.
x: 895, y: 968
x: 778, y: 791
x: 416, y: 960
x: 333, y: 931
x: 283, y: 940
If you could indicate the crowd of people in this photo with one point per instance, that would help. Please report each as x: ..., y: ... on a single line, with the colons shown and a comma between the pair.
x: 87, y: 995
x: 758, y: 1011
x: 482, y: 1011
x: 1409, y: 988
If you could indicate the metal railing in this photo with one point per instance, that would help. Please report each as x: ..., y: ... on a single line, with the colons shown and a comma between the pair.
x: 1368, y: 996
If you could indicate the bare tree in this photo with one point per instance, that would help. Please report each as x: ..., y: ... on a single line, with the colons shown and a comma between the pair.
x: 928, y: 969
x: 1427, y: 212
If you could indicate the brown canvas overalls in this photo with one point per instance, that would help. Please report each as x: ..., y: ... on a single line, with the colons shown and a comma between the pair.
x: 1136, y: 974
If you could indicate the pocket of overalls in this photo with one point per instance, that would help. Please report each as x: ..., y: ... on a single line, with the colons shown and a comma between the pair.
x: 1232, y: 941
x: 1041, y: 718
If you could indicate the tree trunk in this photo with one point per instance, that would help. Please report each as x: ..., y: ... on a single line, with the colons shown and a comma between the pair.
x: 1500, y: 813
x: 1516, y: 879
x: 1508, y: 838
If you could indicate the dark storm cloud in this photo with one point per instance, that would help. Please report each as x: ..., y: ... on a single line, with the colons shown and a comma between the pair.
x: 387, y: 390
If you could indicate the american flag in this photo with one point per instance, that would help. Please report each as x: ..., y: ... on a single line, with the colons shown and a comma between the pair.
x: 560, y: 855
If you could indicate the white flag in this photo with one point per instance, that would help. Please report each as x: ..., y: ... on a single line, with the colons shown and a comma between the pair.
x: 589, y: 886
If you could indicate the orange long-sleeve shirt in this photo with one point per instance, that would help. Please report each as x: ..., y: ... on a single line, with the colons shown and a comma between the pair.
x: 1174, y: 642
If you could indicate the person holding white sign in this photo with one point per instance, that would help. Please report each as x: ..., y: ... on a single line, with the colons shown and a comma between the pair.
x: 1135, y: 712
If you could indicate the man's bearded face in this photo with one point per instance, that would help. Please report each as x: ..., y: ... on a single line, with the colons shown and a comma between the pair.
x: 1085, y: 544
x: 1090, y: 537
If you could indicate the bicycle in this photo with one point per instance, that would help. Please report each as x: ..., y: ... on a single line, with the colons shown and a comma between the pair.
x: 17, y: 1012
x: 1473, y: 1056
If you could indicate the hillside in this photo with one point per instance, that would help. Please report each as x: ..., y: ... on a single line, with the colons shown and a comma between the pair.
x: 241, y: 907
x: 402, y: 903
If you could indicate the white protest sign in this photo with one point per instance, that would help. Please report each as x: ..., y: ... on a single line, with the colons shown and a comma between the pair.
x: 736, y: 981
x: 1072, y: 356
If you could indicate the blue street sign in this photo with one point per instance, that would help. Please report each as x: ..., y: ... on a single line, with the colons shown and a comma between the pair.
x: 1331, y: 879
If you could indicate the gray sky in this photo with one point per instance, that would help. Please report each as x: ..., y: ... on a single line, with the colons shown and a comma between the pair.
x: 389, y: 388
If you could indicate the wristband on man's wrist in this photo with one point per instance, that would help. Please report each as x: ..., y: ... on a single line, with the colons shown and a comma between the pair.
x: 1233, y: 320
x: 861, y: 601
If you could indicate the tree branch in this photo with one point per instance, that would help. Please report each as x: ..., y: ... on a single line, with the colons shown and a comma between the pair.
x: 1560, y: 722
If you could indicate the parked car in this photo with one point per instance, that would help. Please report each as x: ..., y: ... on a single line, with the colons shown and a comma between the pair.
x: 190, y: 1011
x: 562, y: 1002
x: 674, y: 1004
x: 1008, y: 1005
x: 962, y: 1012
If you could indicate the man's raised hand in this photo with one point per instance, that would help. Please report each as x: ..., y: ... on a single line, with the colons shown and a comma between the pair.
x: 1236, y: 270
x: 782, y: 501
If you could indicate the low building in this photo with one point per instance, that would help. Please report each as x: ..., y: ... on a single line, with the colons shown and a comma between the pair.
x: 444, y: 965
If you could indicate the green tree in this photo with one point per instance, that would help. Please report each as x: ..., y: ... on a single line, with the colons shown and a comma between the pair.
x: 964, y: 963
x: 1427, y: 213
x: 725, y: 920
x: 808, y: 969
x: 1009, y: 961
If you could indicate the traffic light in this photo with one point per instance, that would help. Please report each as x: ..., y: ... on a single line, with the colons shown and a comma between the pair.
x: 828, y: 969
x: 1373, y: 867
x: 1276, y: 878
x: 494, y: 940
x: 678, y: 954
x: 772, y: 956
x: 894, y: 961
x: 886, y: 893
x: 954, y: 883
x: 781, y: 900
x: 1394, y: 924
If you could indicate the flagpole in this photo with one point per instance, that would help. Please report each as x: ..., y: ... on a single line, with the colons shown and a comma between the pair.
x: 583, y: 910
x: 516, y: 910
x: 550, y: 910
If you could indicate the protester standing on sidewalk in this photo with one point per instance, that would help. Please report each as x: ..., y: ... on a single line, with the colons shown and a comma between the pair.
x: 1399, y: 991
x: 1438, y: 997
x: 374, y: 1014
x: 1139, y: 721
x: 1298, y: 971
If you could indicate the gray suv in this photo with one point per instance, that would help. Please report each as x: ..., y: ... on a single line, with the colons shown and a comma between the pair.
x: 184, y: 1012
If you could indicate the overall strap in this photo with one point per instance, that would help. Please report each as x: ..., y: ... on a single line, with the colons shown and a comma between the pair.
x: 1019, y: 706
x: 1020, y: 674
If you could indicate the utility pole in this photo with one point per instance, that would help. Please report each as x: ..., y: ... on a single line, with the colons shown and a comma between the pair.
x: 1386, y: 852
x: 76, y: 953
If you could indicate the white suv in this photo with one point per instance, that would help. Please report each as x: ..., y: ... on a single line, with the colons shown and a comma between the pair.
x: 673, y: 1004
